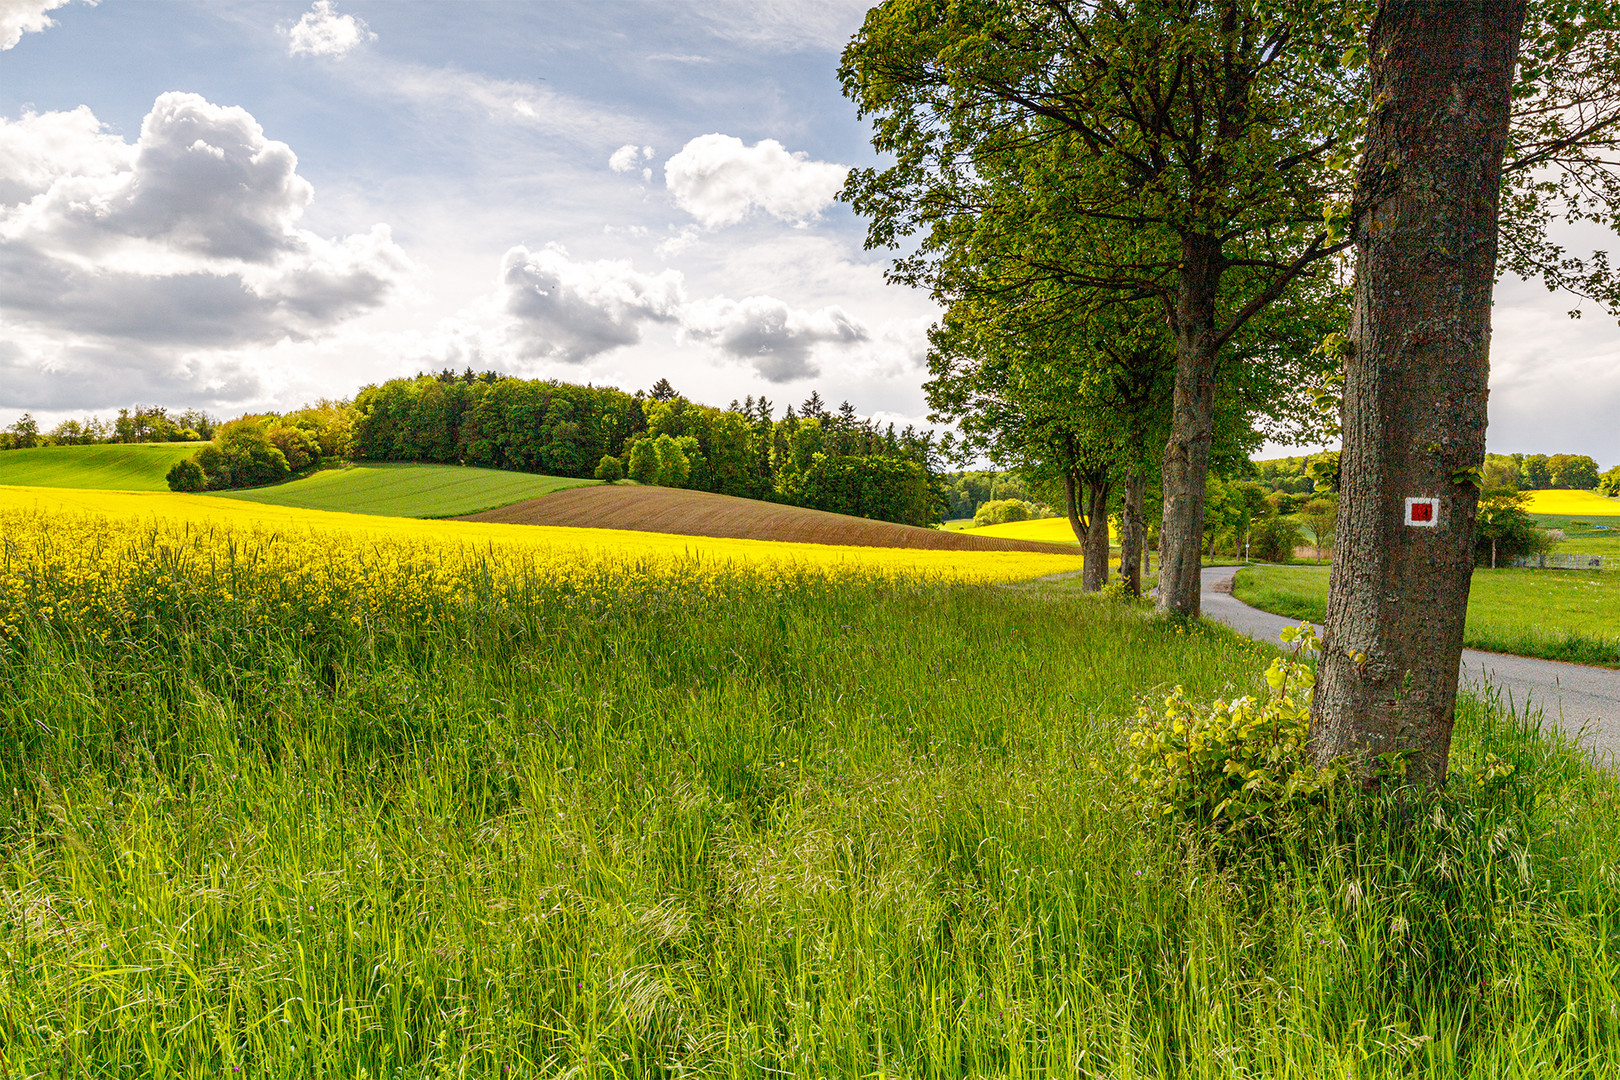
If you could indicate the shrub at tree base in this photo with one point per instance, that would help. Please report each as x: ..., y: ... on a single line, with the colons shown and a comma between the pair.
x: 609, y: 470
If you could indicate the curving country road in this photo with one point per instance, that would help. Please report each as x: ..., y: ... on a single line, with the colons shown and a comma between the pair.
x: 1585, y: 701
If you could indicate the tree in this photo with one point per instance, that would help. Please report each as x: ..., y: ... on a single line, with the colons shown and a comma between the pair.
x: 25, y: 432
x: 1572, y: 472
x: 1210, y: 131
x: 1535, y: 475
x: 1320, y: 515
x: 1426, y: 243
x: 1504, y: 528
x: 609, y: 470
x: 1609, y: 483
x: 643, y: 462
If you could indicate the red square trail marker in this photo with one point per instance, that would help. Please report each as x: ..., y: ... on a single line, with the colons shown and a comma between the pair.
x: 1423, y: 513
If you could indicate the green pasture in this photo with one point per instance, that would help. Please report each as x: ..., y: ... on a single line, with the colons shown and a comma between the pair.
x: 746, y: 829
x: 1557, y: 614
x: 117, y: 467
x: 418, y: 491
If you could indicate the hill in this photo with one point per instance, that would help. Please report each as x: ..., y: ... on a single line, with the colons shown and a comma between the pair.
x: 1054, y: 530
x: 116, y: 467
x: 1572, y: 504
x: 414, y: 491
x: 700, y: 513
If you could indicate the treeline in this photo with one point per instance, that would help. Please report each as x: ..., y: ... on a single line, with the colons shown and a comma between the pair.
x: 811, y: 456
x: 267, y: 448
x: 142, y: 424
x: 1538, y: 472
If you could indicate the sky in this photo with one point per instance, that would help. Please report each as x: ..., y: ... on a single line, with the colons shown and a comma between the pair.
x: 249, y: 206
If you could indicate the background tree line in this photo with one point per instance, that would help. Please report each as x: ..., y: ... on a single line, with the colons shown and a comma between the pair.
x: 812, y: 456
x: 142, y: 424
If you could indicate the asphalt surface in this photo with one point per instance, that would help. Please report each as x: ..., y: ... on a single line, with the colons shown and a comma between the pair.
x: 1584, y: 701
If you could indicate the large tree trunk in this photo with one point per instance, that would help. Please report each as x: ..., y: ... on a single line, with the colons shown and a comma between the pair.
x: 1095, y: 574
x: 1192, y: 428
x: 1132, y: 530
x: 1415, y: 384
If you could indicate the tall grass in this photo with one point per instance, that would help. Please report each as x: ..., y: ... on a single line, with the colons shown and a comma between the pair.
x: 797, y: 827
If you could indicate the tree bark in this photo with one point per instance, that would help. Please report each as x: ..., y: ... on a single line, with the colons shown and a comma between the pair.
x: 1132, y: 528
x: 1416, y: 380
x: 1095, y: 573
x: 1192, y: 428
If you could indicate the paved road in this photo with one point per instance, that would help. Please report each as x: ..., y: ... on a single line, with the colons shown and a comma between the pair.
x: 1584, y: 700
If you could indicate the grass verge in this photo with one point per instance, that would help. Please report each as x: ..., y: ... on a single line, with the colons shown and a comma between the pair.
x: 1554, y: 614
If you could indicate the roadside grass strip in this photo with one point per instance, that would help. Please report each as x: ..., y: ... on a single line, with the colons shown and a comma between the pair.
x: 1571, y: 615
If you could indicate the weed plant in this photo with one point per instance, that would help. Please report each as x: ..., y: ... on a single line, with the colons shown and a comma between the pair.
x: 787, y: 825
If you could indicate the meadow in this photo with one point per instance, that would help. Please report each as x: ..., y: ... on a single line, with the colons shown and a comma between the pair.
x: 293, y: 801
x: 125, y: 467
x: 1556, y: 614
x: 418, y: 491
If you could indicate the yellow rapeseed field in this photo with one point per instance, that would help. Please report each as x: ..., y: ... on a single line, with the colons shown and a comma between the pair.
x: 1573, y: 504
x: 100, y: 558
x: 1054, y: 530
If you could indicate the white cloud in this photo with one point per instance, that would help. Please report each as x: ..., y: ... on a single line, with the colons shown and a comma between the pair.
x: 19, y: 17
x: 720, y: 181
x: 124, y: 256
x: 572, y: 311
x: 777, y: 340
x: 323, y: 32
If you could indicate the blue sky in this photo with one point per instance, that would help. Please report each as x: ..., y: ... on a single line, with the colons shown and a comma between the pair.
x: 251, y: 205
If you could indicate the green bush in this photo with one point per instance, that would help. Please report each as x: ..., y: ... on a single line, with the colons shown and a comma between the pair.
x: 1001, y: 511
x: 187, y: 475
x: 609, y: 470
x: 1273, y: 539
x: 643, y: 462
x: 296, y: 445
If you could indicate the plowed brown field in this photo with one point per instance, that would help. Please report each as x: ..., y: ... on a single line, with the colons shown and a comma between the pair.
x: 699, y: 513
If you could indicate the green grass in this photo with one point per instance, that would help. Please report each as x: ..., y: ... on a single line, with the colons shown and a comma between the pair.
x: 418, y: 491
x: 121, y: 467
x: 1556, y: 614
x: 748, y: 830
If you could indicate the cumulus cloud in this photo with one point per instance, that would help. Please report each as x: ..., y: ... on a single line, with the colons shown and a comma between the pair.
x: 572, y: 311
x: 19, y: 17
x: 777, y: 340
x: 186, y: 239
x: 323, y: 32
x: 720, y: 181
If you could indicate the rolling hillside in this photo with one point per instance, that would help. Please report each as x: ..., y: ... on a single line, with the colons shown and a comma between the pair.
x: 119, y: 467
x: 699, y: 513
x: 415, y: 491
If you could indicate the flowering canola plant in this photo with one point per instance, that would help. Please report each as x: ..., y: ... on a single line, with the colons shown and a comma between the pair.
x: 102, y: 559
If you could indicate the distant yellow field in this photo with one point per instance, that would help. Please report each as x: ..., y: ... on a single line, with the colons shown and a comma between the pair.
x: 1054, y: 530
x: 1573, y: 504
x: 26, y: 510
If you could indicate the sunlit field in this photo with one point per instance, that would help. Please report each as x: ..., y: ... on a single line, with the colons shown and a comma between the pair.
x: 1573, y: 504
x: 407, y: 490
x: 123, y: 466
x: 291, y: 535
x: 292, y: 794
x: 1054, y: 530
